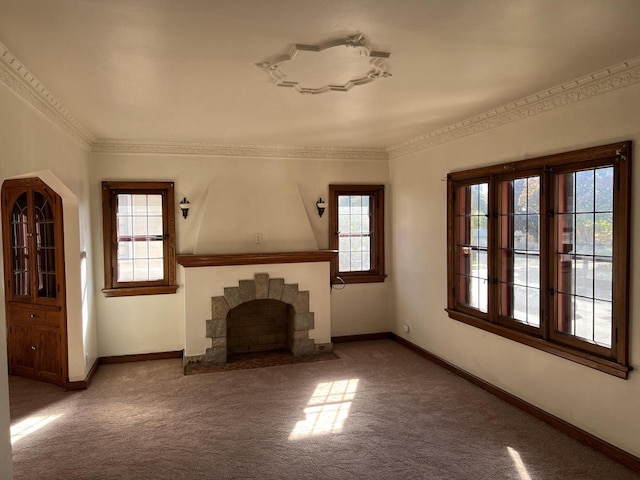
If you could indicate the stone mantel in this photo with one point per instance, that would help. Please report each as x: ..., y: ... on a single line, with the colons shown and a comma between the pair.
x: 255, y: 258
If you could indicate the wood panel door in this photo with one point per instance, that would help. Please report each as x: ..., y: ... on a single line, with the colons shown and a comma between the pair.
x: 35, y: 302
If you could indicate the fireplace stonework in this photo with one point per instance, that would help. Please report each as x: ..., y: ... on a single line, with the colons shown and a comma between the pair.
x: 261, y: 287
x: 223, y: 277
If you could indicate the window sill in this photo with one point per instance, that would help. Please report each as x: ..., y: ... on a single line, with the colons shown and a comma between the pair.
x: 366, y: 278
x: 134, y: 291
x: 583, y: 358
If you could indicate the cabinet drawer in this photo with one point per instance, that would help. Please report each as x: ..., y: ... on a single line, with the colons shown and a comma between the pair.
x: 34, y: 315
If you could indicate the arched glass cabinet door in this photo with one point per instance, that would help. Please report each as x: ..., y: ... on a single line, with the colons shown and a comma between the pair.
x: 45, y: 246
x: 20, y: 259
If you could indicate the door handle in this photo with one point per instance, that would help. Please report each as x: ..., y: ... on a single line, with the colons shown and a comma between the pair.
x: 34, y: 348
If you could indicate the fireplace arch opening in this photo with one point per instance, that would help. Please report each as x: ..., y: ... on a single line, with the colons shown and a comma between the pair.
x: 299, y: 320
x: 260, y: 325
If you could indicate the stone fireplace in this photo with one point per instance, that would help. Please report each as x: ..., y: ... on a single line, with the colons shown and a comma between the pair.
x: 292, y: 288
x: 254, y: 330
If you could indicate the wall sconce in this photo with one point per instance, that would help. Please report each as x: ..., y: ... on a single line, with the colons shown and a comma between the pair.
x: 184, y: 206
x: 321, y: 205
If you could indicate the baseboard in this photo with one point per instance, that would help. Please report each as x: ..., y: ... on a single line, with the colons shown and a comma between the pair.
x: 84, y: 384
x: 628, y: 460
x: 141, y: 357
x: 363, y: 337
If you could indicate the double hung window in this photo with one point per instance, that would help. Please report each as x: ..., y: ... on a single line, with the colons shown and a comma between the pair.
x: 356, y: 230
x: 539, y: 253
x: 139, y: 238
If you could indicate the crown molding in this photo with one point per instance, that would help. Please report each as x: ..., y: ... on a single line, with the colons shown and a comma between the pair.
x: 598, y: 83
x: 26, y: 86
x: 237, y: 150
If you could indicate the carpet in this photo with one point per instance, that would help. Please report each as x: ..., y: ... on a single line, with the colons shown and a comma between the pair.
x: 241, y: 361
x: 380, y: 411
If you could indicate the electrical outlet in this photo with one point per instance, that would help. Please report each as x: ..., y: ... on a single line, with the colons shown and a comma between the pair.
x: 258, y: 238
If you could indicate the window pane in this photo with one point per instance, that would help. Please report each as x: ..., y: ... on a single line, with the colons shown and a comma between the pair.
x: 156, y: 269
x: 583, y: 272
x: 603, y: 318
x: 125, y: 270
x: 155, y: 226
x: 125, y: 226
x: 585, y: 194
x: 140, y: 250
x: 584, y: 233
x: 154, y: 205
x: 584, y: 318
x: 584, y: 250
x: 140, y: 270
x: 345, y: 264
x: 156, y: 249
x: 139, y: 205
x: 533, y: 307
x: 603, y: 234
x: 124, y: 204
x: 603, y: 279
x: 604, y: 189
x: 140, y: 226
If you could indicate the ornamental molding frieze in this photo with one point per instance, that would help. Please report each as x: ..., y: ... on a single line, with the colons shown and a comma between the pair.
x: 618, y: 76
x: 372, y: 65
x: 236, y: 150
x: 26, y: 86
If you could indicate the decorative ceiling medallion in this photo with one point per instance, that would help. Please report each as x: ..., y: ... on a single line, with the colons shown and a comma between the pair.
x: 336, y: 68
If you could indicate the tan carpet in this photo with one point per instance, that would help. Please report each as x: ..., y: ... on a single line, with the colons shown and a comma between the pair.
x: 379, y: 412
x: 241, y: 361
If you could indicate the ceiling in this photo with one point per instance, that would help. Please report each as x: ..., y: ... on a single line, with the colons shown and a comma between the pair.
x: 184, y: 71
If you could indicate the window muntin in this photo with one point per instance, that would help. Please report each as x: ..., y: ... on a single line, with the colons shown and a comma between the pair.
x: 139, y: 238
x: 356, y: 231
x: 558, y: 249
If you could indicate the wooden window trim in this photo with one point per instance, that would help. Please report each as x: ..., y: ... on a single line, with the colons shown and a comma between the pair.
x: 377, y: 272
x: 168, y: 284
x: 612, y: 360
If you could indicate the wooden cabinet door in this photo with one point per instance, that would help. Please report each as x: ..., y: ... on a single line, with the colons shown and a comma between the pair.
x: 22, y: 355
x: 48, y: 364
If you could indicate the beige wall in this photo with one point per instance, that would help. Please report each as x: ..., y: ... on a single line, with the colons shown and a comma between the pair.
x: 596, y: 402
x: 30, y: 143
x: 232, y: 199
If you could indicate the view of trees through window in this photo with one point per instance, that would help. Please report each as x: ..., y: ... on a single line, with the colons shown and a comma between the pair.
x: 585, y: 254
x: 539, y: 252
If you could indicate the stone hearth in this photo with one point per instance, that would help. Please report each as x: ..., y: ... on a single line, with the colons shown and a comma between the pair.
x: 261, y: 287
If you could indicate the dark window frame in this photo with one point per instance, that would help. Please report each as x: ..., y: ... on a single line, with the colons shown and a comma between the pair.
x: 376, y: 194
x: 166, y: 285
x: 546, y: 337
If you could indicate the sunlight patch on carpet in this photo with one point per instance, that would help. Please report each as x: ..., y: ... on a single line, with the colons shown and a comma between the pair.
x: 327, y: 409
x: 517, y: 461
x: 29, y: 425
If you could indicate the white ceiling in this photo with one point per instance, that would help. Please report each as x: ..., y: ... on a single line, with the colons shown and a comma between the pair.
x: 184, y: 71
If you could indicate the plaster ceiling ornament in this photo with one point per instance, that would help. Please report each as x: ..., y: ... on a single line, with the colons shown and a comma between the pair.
x: 327, y: 66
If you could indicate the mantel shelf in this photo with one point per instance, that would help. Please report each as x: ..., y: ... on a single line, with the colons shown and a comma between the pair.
x: 188, y: 261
